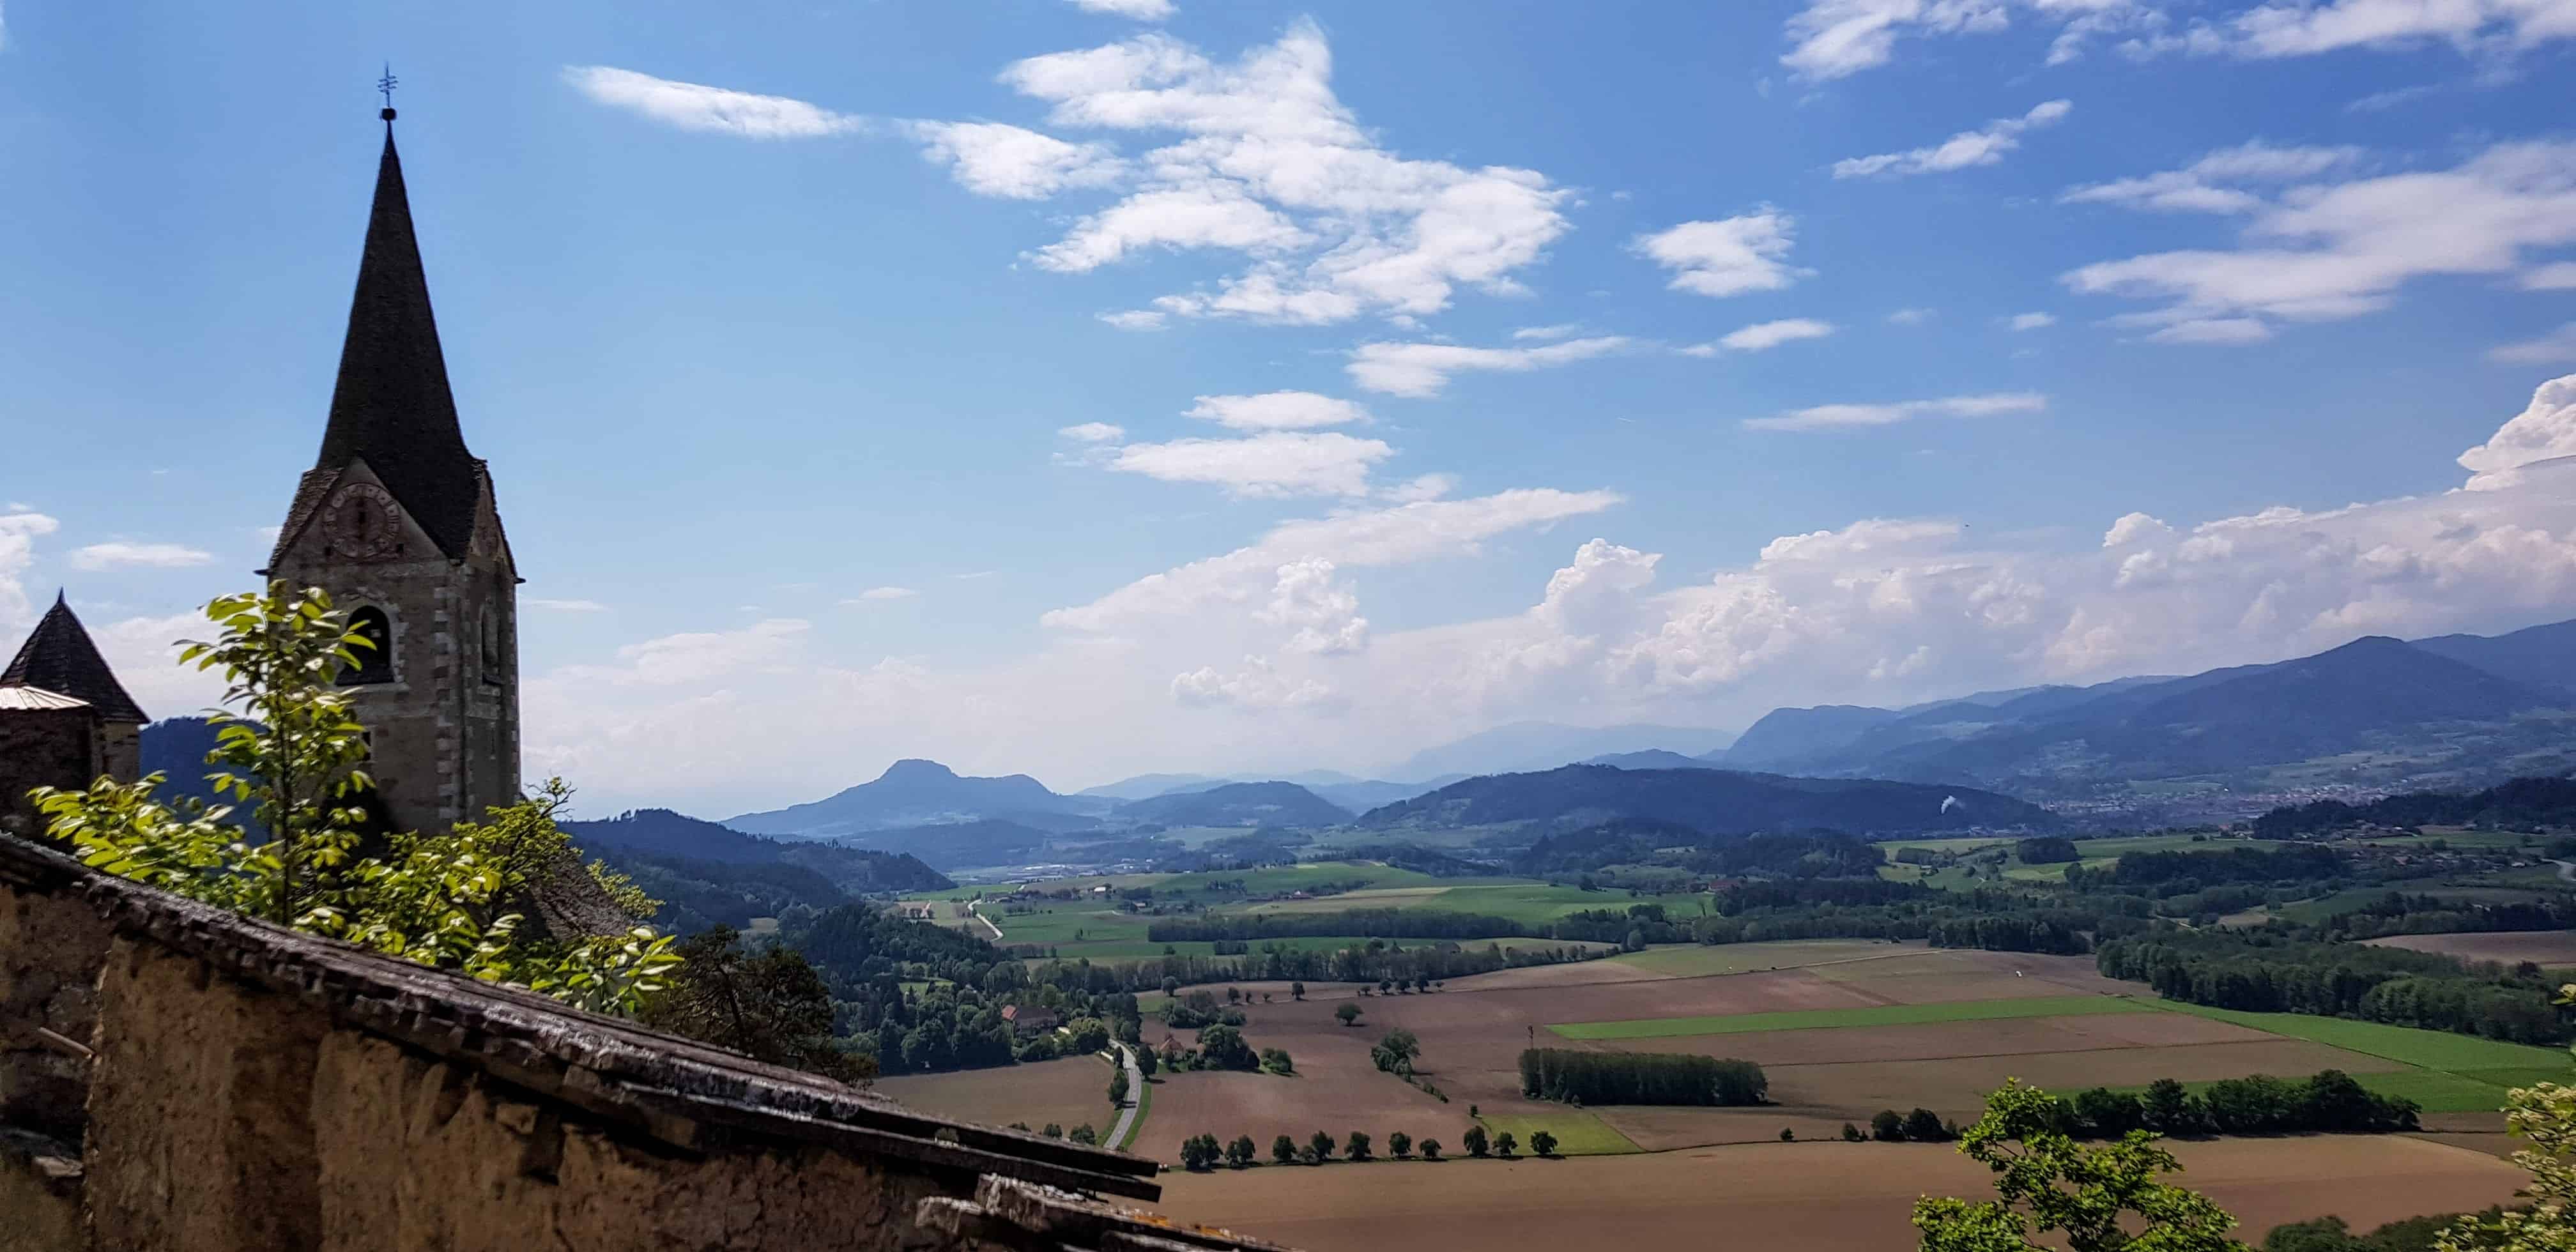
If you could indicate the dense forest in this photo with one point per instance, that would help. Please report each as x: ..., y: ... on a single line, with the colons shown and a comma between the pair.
x: 2521, y: 804
x: 2269, y: 972
x: 1581, y: 1077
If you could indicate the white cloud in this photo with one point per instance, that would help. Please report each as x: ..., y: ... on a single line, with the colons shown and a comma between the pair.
x: 2304, y: 28
x: 565, y: 606
x: 1269, y: 163
x: 19, y: 529
x: 2216, y: 183
x: 1423, y: 369
x: 1910, y: 317
x: 693, y: 106
x: 1202, y: 665
x: 1400, y: 535
x: 1135, y: 319
x: 2557, y: 345
x: 2555, y: 276
x: 1271, y: 464
x: 108, y: 556
x: 1140, y: 10
x: 2214, y: 330
x: 1835, y: 38
x: 2033, y: 321
x: 1842, y: 416
x: 1983, y: 146
x: 991, y: 159
x: 2330, y: 251
x: 1093, y: 432
x: 1277, y: 410
x: 1562, y: 330
x: 2544, y: 431
x: 1764, y: 336
x: 879, y: 595
x: 1727, y: 257
x: 1421, y: 487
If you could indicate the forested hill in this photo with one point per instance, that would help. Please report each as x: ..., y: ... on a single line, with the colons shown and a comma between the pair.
x: 1238, y: 804
x: 663, y: 834
x: 2524, y: 803
x: 1708, y: 800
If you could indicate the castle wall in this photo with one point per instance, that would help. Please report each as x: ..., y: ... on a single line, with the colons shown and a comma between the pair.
x: 46, y: 748
x: 250, y: 1088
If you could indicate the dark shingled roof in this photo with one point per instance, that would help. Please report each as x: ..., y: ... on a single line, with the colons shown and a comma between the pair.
x: 392, y: 405
x: 59, y: 657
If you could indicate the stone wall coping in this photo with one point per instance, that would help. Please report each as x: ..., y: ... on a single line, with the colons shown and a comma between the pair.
x: 688, y: 1095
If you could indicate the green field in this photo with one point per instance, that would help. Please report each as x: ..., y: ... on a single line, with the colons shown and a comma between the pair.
x: 2097, y: 854
x: 2430, y: 1049
x: 1875, y: 1015
x: 1577, y: 1134
x: 2432, y: 1091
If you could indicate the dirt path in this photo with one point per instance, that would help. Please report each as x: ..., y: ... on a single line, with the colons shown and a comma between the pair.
x: 976, y: 907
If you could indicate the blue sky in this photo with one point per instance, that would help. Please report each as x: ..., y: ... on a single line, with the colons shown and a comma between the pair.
x: 1092, y: 386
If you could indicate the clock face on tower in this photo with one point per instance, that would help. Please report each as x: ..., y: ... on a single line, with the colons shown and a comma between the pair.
x: 362, y: 523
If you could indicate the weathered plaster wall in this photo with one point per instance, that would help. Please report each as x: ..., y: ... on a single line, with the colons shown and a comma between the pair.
x: 51, y: 948
x: 50, y: 748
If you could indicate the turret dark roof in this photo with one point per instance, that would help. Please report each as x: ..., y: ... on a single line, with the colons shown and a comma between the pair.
x: 392, y: 405
x: 60, y: 658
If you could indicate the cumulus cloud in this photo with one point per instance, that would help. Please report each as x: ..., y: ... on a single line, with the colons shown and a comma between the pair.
x: 1268, y: 162
x: 1093, y: 432
x: 2219, y: 182
x: 109, y: 556
x: 1764, y: 336
x: 1843, y: 416
x: 1273, y: 463
x: 2135, y: 528
x: 2327, y: 251
x: 1277, y: 410
x: 1257, y: 685
x: 1984, y: 146
x: 992, y: 159
x: 1424, y: 369
x: 1727, y: 257
x: 2545, y: 431
x: 695, y: 106
x: 697, y: 656
x: 2557, y: 345
x: 2292, y: 28
x: 1323, y: 612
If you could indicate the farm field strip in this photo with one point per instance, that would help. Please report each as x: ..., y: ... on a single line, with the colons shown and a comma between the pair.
x: 2425, y: 1049
x: 2431, y: 1090
x: 1874, y: 1015
x: 1577, y: 1134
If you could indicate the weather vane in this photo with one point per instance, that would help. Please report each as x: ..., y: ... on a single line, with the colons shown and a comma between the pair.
x: 386, y: 85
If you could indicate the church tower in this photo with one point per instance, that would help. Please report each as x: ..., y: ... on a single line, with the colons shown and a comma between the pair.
x: 396, y: 521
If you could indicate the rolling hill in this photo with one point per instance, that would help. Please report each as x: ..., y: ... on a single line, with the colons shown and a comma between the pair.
x: 1238, y: 804
x: 1545, y: 745
x: 1708, y: 800
x: 922, y: 793
x: 665, y: 835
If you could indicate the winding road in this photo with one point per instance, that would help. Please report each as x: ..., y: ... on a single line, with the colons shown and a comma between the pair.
x: 1135, y: 1096
x: 976, y: 907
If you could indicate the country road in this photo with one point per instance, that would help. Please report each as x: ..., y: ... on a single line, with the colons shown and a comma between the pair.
x: 1135, y: 1096
x: 976, y: 907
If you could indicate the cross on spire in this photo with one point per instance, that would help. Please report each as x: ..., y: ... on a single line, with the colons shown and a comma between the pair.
x: 386, y: 85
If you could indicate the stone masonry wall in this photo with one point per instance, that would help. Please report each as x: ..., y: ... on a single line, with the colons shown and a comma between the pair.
x: 249, y: 1088
x: 51, y: 748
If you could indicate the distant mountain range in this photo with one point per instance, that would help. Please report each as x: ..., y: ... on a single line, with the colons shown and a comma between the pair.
x: 1524, y: 746
x: 1238, y: 804
x: 924, y: 793
x: 1713, y: 801
x: 664, y: 835
x: 2463, y: 703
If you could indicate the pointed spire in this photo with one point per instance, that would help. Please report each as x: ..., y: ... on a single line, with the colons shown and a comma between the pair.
x: 60, y: 658
x: 392, y: 405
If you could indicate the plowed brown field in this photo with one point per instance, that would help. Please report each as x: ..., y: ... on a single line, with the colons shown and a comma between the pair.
x: 1785, y: 1197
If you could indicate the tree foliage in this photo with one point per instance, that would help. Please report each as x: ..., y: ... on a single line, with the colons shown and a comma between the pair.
x: 2099, y: 1198
x: 1639, y: 1078
x: 766, y: 1003
x: 288, y: 751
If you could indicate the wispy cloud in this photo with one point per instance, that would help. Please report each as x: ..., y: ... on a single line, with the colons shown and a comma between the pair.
x: 1277, y: 410
x: 695, y: 106
x: 1983, y: 146
x: 2557, y: 345
x: 1272, y: 464
x: 1845, y: 416
x: 879, y: 595
x: 2032, y: 321
x: 1140, y: 10
x: 107, y: 556
x: 1764, y: 336
x: 565, y: 606
x: 1093, y: 432
x: 1424, y: 369
x: 2218, y: 182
